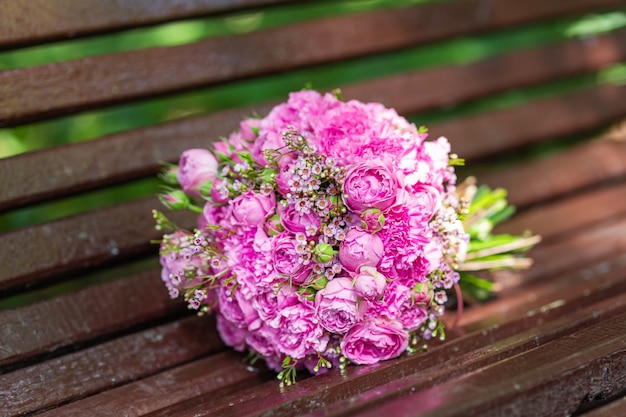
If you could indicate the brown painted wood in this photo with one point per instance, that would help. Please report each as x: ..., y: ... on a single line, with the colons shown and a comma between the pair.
x: 107, y: 365
x: 458, y: 84
x: 575, y: 213
x: 217, y: 375
x: 486, y: 134
x: 105, y: 80
x: 80, y: 316
x: 72, y: 168
x: 584, y: 166
x: 86, y: 240
x: 574, y: 366
x: 137, y: 396
x: 39, y: 21
x: 439, y: 365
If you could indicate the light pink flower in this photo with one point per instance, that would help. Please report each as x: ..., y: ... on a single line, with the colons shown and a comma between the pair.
x: 287, y: 261
x: 369, y: 185
x: 299, y: 333
x: 251, y: 209
x: 231, y: 333
x: 196, y: 167
x: 374, y: 340
x: 360, y: 248
x: 296, y: 222
x: 336, y: 306
x: 369, y: 283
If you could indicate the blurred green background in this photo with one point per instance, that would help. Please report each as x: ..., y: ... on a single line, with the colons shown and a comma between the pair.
x: 88, y: 125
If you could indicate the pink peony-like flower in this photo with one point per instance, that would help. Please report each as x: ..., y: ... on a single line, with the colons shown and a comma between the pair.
x: 196, y: 167
x: 369, y: 283
x: 402, y: 306
x: 287, y: 261
x: 251, y: 209
x: 299, y: 332
x: 374, y: 340
x: 336, y: 306
x: 231, y: 333
x: 297, y: 222
x: 360, y: 248
x: 369, y: 185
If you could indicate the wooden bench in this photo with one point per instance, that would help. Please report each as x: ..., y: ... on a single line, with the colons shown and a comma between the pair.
x: 87, y: 329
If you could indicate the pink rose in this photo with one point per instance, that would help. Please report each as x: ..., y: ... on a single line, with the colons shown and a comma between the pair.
x: 231, y: 334
x: 287, y: 261
x: 369, y: 283
x: 219, y: 191
x: 369, y: 185
x: 269, y: 303
x: 360, y: 248
x: 299, y: 333
x: 196, y: 167
x: 296, y: 222
x: 402, y: 306
x: 374, y: 340
x: 336, y: 306
x: 262, y: 341
x: 251, y: 209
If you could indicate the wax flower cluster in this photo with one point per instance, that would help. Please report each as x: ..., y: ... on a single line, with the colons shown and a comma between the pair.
x: 329, y: 232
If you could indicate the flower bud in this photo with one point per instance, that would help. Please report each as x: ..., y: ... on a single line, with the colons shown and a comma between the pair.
x: 422, y: 293
x: 324, y: 252
x: 319, y: 282
x: 372, y: 220
x: 175, y: 200
x: 273, y: 225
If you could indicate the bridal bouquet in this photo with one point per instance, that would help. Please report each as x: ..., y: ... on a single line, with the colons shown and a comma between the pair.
x: 329, y: 232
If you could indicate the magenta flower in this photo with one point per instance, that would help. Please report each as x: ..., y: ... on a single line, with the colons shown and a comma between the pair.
x: 287, y: 261
x: 251, y: 209
x: 369, y: 185
x: 336, y: 306
x: 360, y: 248
x: 369, y: 283
x: 196, y: 167
x: 374, y: 340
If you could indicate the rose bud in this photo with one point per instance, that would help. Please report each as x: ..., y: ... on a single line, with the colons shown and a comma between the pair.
x: 360, y: 248
x: 372, y: 220
x: 175, y: 200
x: 196, y: 167
x: 422, y: 293
x: 370, y: 284
x: 273, y: 225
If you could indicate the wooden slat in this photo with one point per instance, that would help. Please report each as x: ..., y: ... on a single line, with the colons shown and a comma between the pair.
x: 107, y: 365
x: 137, y: 396
x: 64, y: 170
x: 32, y: 177
x: 486, y: 134
x: 582, y: 248
x: 580, y: 167
x: 34, y: 93
x: 85, y: 240
x: 549, y: 380
x: 573, y: 214
x: 413, y: 92
x: 218, y: 375
x: 81, y: 316
x: 446, y: 362
x: 27, y: 23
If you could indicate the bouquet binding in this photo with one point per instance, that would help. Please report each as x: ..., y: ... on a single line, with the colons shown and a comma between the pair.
x: 329, y: 232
